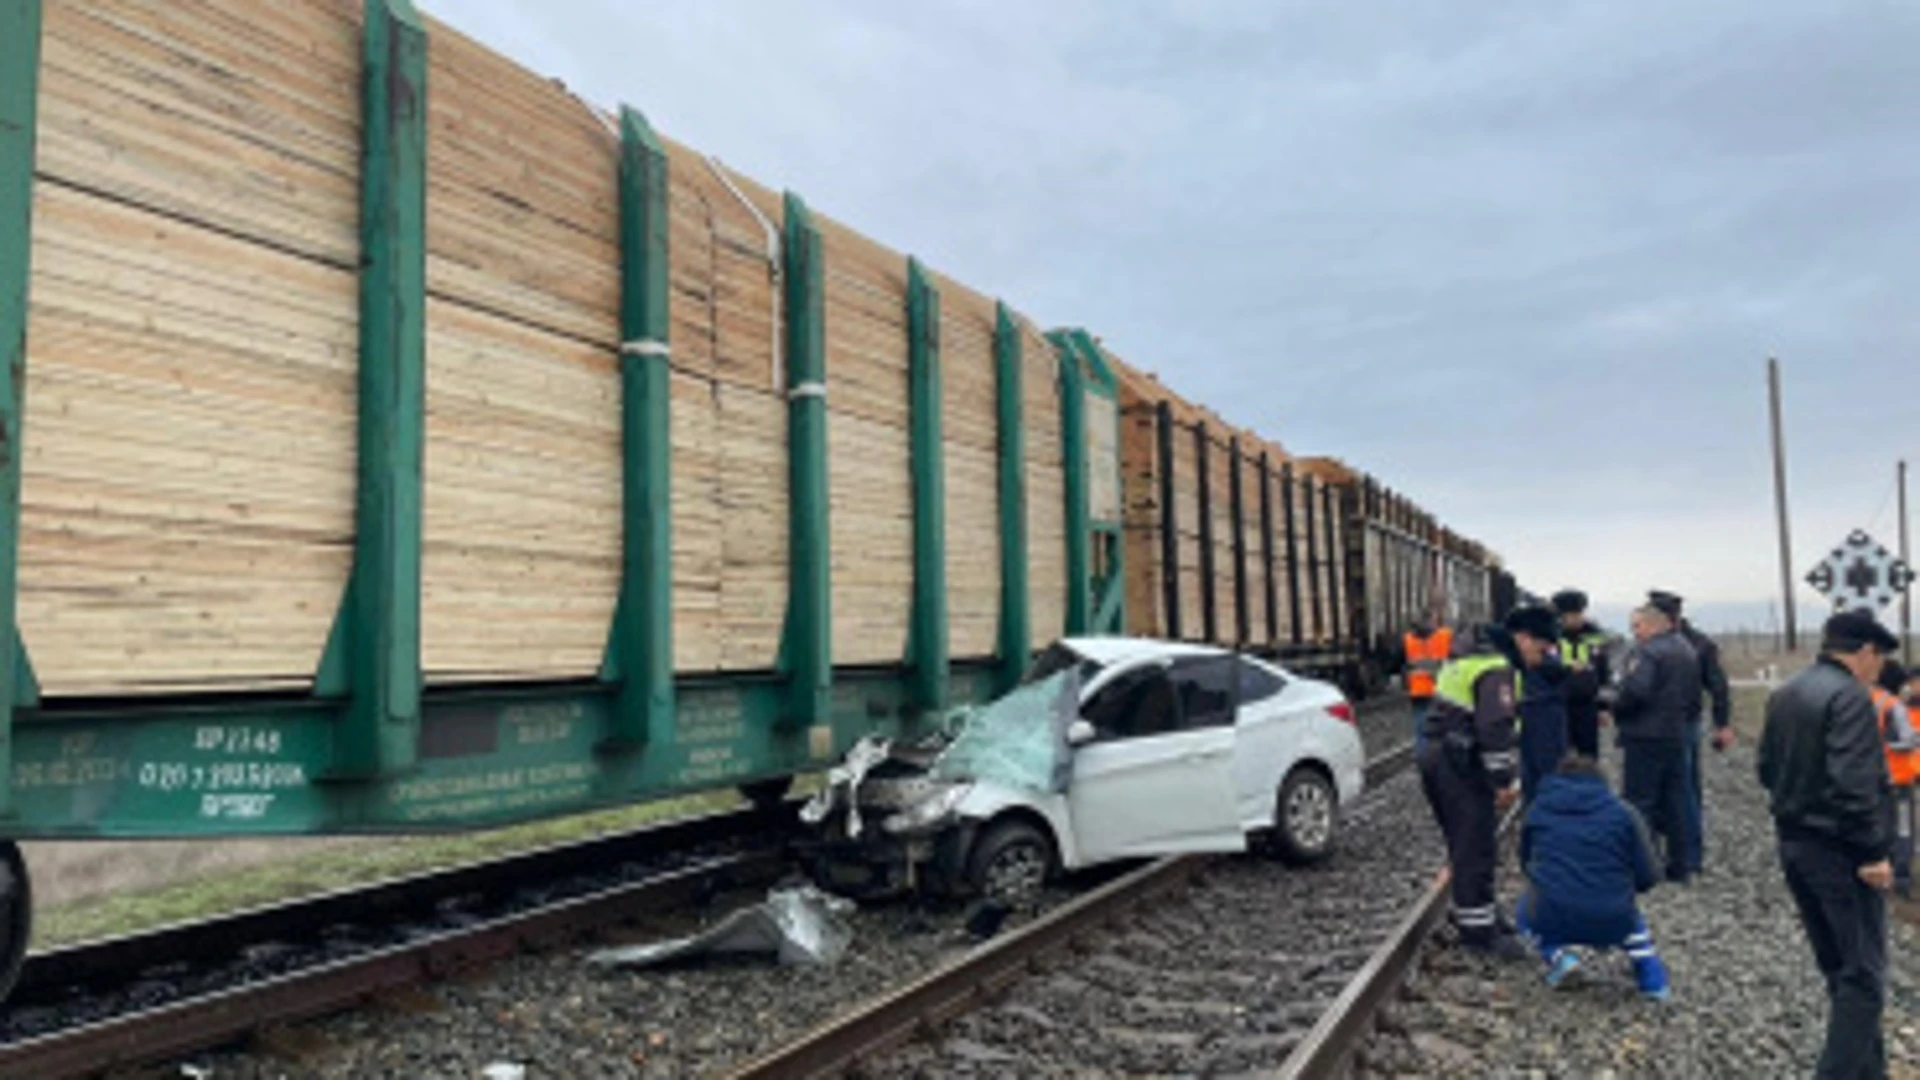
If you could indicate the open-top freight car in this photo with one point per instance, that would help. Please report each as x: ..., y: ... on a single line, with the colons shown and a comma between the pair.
x: 394, y: 442
x: 1232, y: 541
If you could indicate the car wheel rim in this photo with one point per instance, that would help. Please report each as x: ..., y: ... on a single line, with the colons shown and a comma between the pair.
x: 1016, y: 874
x: 1310, y: 816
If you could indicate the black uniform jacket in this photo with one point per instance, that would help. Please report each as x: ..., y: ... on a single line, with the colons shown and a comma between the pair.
x: 1822, y: 761
x: 1660, y: 691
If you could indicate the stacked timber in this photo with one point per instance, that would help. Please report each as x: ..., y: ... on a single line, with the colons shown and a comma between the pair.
x: 189, y: 494
x: 1209, y: 503
x: 1414, y: 569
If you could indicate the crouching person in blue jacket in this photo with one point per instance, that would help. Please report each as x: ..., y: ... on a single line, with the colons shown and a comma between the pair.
x: 1587, y: 856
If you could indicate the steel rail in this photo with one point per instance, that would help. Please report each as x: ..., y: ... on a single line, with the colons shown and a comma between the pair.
x: 1328, y: 1049
x: 214, y: 1020
x: 224, y: 1016
x: 111, y: 961
x: 887, y: 1022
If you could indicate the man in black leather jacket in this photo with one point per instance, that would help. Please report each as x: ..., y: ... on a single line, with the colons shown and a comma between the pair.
x: 1823, y: 764
x: 1650, y: 711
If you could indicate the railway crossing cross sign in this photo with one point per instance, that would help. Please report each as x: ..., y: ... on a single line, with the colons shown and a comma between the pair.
x: 1861, y: 575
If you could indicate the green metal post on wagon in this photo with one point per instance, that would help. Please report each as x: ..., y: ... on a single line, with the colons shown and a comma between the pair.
x: 806, y: 641
x: 19, y: 110
x: 927, y: 642
x: 1093, y: 606
x: 373, y: 654
x: 1016, y: 613
x: 640, y: 652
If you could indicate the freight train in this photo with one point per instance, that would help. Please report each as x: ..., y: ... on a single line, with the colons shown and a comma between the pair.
x: 397, y: 443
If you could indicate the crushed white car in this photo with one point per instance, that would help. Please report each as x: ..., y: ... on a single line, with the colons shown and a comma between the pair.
x: 1112, y: 748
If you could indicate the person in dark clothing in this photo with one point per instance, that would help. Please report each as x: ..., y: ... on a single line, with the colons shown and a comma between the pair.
x: 1587, y: 855
x: 1543, y: 708
x: 1661, y: 683
x: 1895, y: 717
x: 1583, y: 649
x: 1713, y: 680
x: 1467, y: 764
x: 1825, y: 770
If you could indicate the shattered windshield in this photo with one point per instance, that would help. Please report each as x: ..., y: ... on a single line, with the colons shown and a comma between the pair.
x: 1020, y: 740
x: 1055, y: 659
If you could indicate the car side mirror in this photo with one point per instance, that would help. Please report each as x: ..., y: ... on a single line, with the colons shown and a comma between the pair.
x: 1080, y: 733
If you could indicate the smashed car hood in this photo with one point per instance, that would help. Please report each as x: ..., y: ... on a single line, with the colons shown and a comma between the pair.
x: 1018, y: 741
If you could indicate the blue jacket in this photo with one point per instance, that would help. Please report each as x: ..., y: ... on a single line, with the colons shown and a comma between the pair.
x: 1587, y: 855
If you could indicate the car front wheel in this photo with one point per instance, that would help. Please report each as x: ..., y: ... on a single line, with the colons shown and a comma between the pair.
x: 1010, y: 864
x: 1305, y: 816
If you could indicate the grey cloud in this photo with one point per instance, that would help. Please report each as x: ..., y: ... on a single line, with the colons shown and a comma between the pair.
x: 1522, y: 259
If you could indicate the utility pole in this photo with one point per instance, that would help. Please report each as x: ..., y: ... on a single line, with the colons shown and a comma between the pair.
x: 1906, y: 594
x: 1780, y: 502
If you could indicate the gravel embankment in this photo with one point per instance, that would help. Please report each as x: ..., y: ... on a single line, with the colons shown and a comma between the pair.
x: 1226, y: 979
x: 1747, y: 997
x: 558, y: 1018
x: 1384, y: 724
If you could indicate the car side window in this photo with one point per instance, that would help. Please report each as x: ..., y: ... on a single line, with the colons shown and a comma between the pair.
x: 1257, y: 683
x: 1135, y: 705
x: 1207, y: 688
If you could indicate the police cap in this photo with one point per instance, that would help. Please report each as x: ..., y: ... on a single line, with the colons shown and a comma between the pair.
x: 1533, y: 621
x: 1570, y: 602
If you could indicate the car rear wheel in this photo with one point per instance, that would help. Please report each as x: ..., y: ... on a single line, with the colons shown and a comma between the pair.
x: 1305, y: 816
x: 1010, y: 864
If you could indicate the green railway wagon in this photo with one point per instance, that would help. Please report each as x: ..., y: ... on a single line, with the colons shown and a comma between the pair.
x: 395, y: 443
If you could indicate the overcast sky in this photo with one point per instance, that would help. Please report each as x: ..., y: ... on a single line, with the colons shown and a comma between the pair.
x: 1521, y: 260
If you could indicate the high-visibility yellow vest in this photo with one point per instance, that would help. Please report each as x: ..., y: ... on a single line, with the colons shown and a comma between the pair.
x: 1457, y: 679
x: 1577, y: 652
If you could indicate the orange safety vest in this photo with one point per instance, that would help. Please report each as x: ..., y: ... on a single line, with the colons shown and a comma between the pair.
x: 1425, y: 655
x: 1903, y: 764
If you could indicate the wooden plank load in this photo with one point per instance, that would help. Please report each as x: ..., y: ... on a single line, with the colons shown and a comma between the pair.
x: 188, y: 508
x: 190, y: 445
x: 1414, y: 568
x: 1268, y: 618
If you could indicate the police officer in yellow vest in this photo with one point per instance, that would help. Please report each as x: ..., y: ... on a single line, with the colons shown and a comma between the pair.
x: 1468, y: 761
x: 1583, y: 648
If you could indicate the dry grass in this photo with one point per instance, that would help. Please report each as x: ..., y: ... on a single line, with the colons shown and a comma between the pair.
x: 105, y: 889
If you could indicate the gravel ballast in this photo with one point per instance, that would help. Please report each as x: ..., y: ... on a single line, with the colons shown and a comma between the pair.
x: 1224, y: 979
x: 556, y: 1017
x: 1748, y: 1000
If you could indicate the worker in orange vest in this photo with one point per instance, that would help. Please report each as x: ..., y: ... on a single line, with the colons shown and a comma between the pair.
x: 1893, y: 704
x: 1426, y: 649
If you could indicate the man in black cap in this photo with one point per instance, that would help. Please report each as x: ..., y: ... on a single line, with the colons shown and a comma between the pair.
x: 1467, y: 764
x: 1583, y: 648
x: 1543, y: 701
x: 1661, y: 683
x: 1822, y: 762
x: 1713, y: 680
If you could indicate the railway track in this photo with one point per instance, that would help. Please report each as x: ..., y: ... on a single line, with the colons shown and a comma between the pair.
x: 1143, y: 975
x: 158, y: 996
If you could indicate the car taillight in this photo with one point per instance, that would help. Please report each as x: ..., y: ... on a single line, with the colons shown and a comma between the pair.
x: 1340, y: 710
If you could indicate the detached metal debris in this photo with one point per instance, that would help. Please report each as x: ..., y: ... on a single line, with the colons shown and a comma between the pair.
x: 843, y: 783
x: 802, y: 926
